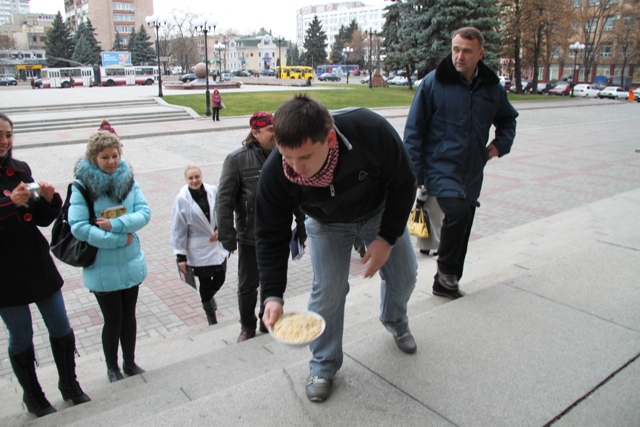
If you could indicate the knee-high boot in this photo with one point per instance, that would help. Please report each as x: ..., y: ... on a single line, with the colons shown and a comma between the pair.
x: 64, y: 355
x: 23, y: 365
x: 210, y: 310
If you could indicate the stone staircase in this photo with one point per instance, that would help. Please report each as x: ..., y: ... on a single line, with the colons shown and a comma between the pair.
x: 202, y: 377
x: 31, y: 119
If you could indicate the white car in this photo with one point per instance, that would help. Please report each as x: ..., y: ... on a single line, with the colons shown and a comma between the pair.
x: 585, y: 91
x: 613, y: 92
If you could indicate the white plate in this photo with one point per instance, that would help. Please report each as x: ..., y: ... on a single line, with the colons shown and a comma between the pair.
x: 302, y: 313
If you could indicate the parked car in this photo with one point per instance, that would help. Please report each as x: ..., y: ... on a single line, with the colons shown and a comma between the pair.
x: 8, y: 81
x: 225, y: 77
x: 188, y: 78
x: 329, y: 77
x: 561, y: 89
x: 268, y: 72
x: 505, y: 82
x: 527, y: 85
x: 397, y: 80
x: 585, y: 91
x: 613, y: 92
x: 365, y: 80
x: 636, y: 95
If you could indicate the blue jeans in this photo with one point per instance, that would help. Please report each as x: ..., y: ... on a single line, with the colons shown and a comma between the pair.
x: 330, y: 248
x: 20, y: 327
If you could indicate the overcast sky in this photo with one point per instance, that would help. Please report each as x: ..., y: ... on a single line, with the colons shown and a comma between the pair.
x: 246, y: 16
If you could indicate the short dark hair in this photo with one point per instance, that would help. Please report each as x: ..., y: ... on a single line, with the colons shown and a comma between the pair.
x: 299, y: 119
x: 6, y: 118
x: 470, y: 33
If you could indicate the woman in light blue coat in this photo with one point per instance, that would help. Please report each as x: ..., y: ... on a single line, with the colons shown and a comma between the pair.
x: 120, y: 267
x: 194, y: 238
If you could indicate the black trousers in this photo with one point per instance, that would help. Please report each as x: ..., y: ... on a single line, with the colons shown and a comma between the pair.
x: 454, y: 235
x: 119, y: 312
x: 215, y: 113
x: 211, y: 279
x: 248, y: 284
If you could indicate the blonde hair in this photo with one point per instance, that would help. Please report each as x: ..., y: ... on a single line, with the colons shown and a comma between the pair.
x: 191, y: 166
x: 99, y: 141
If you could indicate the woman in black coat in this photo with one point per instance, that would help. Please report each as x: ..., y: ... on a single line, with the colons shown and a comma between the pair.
x: 29, y: 275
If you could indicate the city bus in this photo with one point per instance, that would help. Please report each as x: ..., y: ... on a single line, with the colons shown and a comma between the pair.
x: 295, y: 72
x: 66, y: 76
x: 118, y: 75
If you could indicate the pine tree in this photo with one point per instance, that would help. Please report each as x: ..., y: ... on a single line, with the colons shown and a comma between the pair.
x: 145, y: 52
x: 117, y: 45
x: 344, y: 36
x: 90, y: 35
x: 85, y: 31
x: 131, y: 46
x: 315, y: 43
x: 59, y: 44
x: 83, y: 53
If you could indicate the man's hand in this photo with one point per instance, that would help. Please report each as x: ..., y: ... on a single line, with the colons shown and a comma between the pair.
x: 183, y: 266
x: 378, y: 253
x: 493, y: 151
x: 272, y: 310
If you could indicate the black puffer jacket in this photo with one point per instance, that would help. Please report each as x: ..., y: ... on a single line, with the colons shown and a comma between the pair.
x: 28, y: 271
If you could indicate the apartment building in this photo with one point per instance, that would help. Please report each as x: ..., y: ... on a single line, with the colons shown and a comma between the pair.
x: 9, y: 7
x: 109, y: 16
x: 24, y: 43
x: 333, y: 15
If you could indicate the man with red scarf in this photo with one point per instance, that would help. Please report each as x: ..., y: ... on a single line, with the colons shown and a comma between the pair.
x: 350, y: 173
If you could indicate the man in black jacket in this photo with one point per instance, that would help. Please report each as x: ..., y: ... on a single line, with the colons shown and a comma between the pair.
x: 237, y: 194
x: 351, y: 175
x: 446, y: 134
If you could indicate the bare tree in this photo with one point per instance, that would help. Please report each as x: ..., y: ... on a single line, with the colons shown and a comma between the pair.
x: 591, y: 19
x: 627, y: 37
x: 181, y: 38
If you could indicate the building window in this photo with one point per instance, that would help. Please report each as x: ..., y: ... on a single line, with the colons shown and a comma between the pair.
x: 120, y: 17
x: 126, y: 29
x: 609, y: 23
x: 123, y: 6
x: 591, y: 25
x: 605, y: 50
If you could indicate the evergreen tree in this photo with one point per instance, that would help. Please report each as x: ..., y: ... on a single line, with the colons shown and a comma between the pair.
x: 344, y: 36
x: 315, y: 44
x: 85, y: 31
x: 83, y: 53
x: 59, y: 45
x: 141, y: 48
x: 117, y: 45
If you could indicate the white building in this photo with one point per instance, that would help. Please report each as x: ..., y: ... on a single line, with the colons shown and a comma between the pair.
x: 333, y: 15
x: 9, y: 7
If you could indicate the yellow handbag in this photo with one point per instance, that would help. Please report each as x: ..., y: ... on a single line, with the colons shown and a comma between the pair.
x: 417, y: 224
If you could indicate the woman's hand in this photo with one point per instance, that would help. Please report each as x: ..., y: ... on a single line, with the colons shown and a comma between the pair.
x: 105, y: 224
x: 20, y: 195
x: 214, y: 236
x: 46, y: 191
x: 183, y: 266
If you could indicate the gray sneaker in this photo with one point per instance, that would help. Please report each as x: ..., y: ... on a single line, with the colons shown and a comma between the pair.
x: 406, y: 343
x: 318, y: 388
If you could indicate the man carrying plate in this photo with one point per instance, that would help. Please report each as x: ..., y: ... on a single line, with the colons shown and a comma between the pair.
x: 351, y: 175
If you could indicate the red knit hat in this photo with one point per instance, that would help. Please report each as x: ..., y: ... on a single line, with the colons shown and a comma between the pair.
x: 105, y: 125
x: 260, y: 119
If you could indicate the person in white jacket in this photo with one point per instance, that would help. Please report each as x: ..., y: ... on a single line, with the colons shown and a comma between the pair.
x: 194, y: 238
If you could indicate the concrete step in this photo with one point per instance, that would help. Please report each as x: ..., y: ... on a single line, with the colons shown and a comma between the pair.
x: 88, y: 106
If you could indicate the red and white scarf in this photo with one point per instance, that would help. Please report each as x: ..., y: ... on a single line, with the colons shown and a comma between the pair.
x: 323, y: 178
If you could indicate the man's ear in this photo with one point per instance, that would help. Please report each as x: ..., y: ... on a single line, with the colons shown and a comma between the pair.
x: 332, y: 138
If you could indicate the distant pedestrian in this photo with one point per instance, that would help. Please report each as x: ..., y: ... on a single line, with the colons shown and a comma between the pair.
x: 33, y: 83
x: 194, y: 237
x: 446, y: 133
x: 216, y: 104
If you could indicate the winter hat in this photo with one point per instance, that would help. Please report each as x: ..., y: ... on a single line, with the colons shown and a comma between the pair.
x: 260, y: 119
x: 105, y: 125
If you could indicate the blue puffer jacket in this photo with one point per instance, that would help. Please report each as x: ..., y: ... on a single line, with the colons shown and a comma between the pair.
x: 118, y: 265
x: 448, y: 128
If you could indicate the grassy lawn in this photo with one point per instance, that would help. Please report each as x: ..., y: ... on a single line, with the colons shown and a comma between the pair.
x: 245, y: 103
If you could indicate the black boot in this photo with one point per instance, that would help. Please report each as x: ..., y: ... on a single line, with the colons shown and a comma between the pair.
x: 130, y: 368
x: 210, y: 310
x: 23, y: 365
x: 113, y: 373
x: 64, y: 350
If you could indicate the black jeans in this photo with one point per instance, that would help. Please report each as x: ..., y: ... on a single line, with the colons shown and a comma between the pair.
x: 454, y: 235
x: 119, y: 311
x: 248, y: 284
x: 215, y: 113
x: 211, y: 279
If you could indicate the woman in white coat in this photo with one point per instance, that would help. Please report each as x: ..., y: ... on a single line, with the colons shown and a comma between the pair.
x: 194, y: 237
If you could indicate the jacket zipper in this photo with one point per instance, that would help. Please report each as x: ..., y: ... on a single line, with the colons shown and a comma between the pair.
x: 333, y: 191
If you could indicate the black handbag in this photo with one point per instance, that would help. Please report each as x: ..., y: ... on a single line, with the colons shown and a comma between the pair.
x: 64, y: 245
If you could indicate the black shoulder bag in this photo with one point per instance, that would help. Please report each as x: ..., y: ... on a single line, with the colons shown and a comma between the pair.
x: 64, y: 245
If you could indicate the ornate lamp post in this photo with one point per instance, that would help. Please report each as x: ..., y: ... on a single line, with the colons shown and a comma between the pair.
x: 346, y: 51
x: 157, y: 22
x: 279, y: 40
x: 370, y: 32
x: 575, y: 48
x: 205, y: 26
x: 219, y: 46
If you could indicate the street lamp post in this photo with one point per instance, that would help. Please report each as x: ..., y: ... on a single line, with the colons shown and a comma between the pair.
x: 157, y: 22
x: 219, y: 46
x: 279, y: 40
x: 346, y: 51
x: 575, y: 48
x: 370, y: 65
x: 205, y: 26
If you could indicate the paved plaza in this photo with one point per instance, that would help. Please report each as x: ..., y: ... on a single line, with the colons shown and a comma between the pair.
x: 563, y: 157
